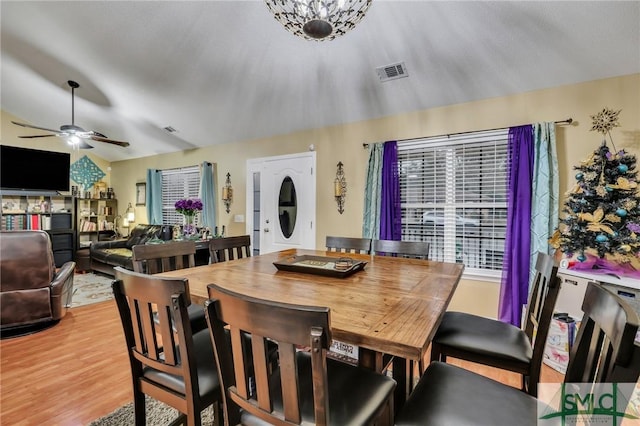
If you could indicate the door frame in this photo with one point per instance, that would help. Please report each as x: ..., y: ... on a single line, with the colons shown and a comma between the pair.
x: 258, y: 165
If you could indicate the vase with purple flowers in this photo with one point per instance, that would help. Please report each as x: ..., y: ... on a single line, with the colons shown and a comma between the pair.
x: 189, y: 208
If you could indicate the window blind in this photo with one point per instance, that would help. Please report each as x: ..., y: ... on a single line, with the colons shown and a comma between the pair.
x: 176, y: 184
x: 453, y: 193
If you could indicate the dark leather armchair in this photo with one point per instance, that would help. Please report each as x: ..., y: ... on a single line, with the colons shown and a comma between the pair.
x: 32, y: 293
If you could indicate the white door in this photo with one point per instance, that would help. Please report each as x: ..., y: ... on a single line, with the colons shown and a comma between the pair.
x: 281, y: 202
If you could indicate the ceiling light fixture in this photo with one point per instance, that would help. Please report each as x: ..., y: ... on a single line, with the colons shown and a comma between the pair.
x: 318, y: 19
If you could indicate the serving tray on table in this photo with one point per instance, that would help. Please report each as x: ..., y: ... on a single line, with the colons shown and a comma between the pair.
x: 339, y: 267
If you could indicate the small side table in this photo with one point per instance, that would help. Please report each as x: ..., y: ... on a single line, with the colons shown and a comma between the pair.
x: 83, y: 260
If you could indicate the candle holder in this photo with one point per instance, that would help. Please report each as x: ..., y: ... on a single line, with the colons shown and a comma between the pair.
x: 227, y: 193
x: 340, y: 187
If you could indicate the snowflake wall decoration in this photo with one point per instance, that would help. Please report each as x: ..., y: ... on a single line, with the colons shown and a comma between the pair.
x: 605, y: 120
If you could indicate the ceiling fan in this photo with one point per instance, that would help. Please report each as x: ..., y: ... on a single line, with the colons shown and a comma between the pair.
x: 74, y: 135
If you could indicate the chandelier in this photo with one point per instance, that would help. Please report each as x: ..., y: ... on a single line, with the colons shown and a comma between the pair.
x: 318, y: 19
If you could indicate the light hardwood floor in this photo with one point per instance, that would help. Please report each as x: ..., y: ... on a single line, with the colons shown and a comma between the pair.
x: 78, y: 371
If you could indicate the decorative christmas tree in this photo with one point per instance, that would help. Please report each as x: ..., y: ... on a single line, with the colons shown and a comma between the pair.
x: 601, y: 226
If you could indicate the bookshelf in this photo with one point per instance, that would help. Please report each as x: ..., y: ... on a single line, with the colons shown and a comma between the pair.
x: 26, y: 210
x: 96, y: 220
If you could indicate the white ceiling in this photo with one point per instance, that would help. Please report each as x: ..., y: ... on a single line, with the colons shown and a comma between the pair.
x: 226, y: 71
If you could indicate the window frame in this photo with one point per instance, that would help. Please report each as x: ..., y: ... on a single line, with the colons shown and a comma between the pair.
x: 487, y: 230
x: 186, y: 184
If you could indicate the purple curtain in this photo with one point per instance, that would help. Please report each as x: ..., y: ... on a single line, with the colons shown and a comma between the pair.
x: 514, y: 288
x: 390, y: 213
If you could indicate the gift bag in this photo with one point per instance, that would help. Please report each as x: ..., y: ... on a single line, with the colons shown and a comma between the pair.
x: 562, y: 331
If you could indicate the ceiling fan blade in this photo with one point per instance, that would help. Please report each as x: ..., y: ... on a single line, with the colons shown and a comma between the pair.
x: 35, y: 127
x: 83, y: 145
x: 111, y: 141
x: 94, y: 133
x: 37, y: 136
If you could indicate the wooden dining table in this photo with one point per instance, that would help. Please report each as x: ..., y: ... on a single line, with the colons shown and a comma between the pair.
x: 389, y: 310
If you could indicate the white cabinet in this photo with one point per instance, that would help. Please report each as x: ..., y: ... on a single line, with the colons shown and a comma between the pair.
x: 574, y: 285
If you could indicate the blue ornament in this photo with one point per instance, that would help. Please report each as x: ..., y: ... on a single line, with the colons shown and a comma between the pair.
x: 622, y: 168
x: 582, y: 257
x: 601, y: 238
x: 608, y: 188
x: 579, y: 176
x: 621, y: 212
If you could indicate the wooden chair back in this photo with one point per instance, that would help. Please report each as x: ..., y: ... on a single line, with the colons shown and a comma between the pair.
x: 410, y: 249
x: 539, y: 313
x: 156, y: 258
x: 348, y: 244
x: 161, y: 350
x: 605, y: 350
x: 291, y: 326
x: 546, y: 270
x: 229, y: 248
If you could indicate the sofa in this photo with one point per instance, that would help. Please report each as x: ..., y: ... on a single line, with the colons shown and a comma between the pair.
x: 105, y: 255
x: 33, y: 294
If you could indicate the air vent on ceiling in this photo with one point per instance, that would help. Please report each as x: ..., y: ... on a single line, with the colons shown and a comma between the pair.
x: 392, y: 72
x: 169, y: 129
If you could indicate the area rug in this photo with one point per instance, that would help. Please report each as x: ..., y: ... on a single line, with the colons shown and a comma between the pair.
x: 91, y: 288
x: 158, y: 414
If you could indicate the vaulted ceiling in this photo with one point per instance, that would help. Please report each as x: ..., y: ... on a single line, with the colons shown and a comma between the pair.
x: 227, y: 71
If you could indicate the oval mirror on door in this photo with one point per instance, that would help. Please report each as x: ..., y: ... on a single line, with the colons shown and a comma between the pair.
x: 287, y: 207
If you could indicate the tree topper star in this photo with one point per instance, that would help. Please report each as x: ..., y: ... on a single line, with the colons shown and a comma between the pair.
x: 605, y: 120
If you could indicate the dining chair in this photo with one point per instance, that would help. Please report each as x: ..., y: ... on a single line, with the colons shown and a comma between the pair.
x: 168, y: 361
x: 229, y: 248
x: 410, y: 249
x: 498, y: 344
x: 604, y: 352
x: 305, y: 387
x: 348, y: 244
x: 170, y: 256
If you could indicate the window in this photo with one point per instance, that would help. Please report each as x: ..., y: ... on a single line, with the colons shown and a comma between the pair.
x: 177, y: 184
x: 453, y: 193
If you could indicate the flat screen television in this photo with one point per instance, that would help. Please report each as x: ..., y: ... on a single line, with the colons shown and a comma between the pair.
x: 27, y: 169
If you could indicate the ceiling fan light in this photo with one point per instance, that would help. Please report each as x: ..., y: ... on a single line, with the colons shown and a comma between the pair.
x: 318, y: 19
x: 73, y: 140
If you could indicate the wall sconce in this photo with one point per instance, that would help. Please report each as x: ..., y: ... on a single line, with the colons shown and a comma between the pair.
x: 340, y: 187
x: 227, y: 193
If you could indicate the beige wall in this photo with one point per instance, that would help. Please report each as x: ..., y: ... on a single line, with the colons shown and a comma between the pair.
x: 344, y: 143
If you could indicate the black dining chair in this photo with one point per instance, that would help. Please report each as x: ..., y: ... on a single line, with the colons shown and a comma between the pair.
x: 348, y: 244
x: 170, y: 256
x: 169, y: 362
x: 305, y: 387
x: 604, y: 352
x: 229, y: 248
x: 498, y: 344
x: 408, y: 249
